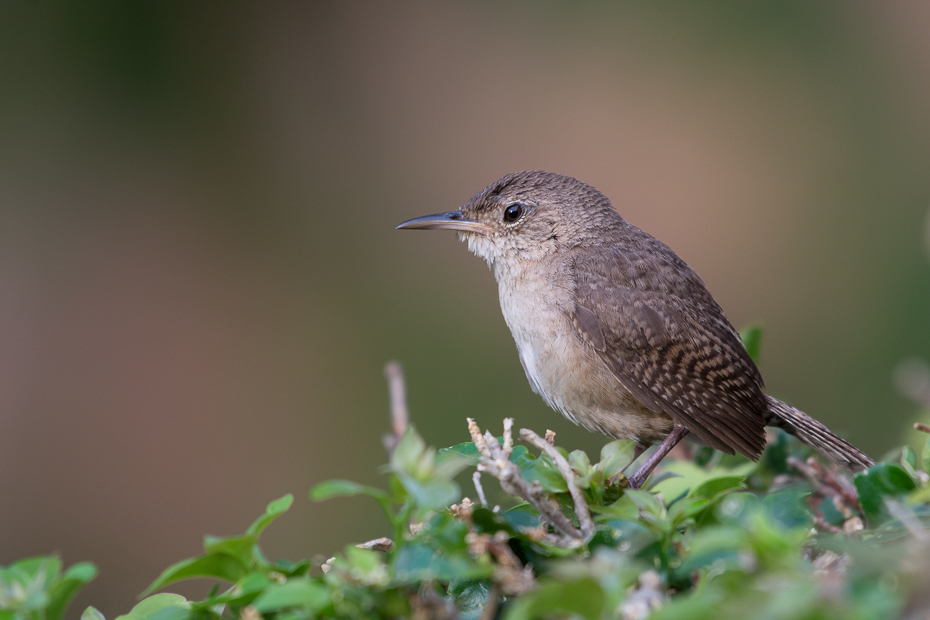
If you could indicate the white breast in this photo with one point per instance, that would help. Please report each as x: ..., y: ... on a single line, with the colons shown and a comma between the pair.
x: 567, y: 373
x: 537, y: 314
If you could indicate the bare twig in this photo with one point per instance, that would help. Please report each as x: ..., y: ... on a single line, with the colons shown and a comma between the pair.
x: 921, y: 427
x: 508, y: 436
x: 476, y: 478
x: 400, y: 415
x: 825, y: 484
x: 819, y: 522
x: 490, y: 440
x: 840, y: 484
x: 475, y: 431
x: 510, y: 574
x: 581, y: 504
x: 496, y: 463
x: 464, y: 510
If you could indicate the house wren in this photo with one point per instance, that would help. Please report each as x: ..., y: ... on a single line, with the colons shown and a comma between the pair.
x: 614, y: 330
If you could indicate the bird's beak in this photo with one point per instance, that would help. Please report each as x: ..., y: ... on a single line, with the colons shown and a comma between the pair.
x: 451, y: 220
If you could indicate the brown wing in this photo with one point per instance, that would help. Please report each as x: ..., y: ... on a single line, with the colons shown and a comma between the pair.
x: 663, y: 336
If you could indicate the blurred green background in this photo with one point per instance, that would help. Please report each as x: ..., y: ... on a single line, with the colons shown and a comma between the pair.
x: 200, y: 281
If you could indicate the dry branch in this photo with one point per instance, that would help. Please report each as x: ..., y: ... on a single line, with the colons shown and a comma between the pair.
x: 825, y: 484
x: 400, y: 416
x: 495, y: 461
x: 581, y: 504
x: 476, y: 478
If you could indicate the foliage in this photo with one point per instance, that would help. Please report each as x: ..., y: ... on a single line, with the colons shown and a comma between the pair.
x: 712, y: 537
x: 37, y: 589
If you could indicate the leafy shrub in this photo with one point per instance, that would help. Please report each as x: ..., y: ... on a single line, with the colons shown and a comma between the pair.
x: 37, y: 589
x: 712, y: 537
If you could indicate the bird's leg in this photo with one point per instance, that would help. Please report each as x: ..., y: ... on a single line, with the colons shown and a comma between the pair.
x: 677, y: 434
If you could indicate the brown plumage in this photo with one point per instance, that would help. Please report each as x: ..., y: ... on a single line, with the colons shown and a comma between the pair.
x: 614, y: 329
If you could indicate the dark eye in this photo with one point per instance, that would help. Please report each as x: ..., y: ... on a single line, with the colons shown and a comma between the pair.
x: 514, y: 212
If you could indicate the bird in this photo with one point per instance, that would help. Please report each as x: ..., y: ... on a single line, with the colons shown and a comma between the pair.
x: 614, y: 330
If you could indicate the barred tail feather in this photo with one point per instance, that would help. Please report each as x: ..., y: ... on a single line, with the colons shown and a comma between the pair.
x: 814, y: 434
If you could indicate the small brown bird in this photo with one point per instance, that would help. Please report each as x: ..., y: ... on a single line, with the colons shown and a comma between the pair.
x: 614, y: 330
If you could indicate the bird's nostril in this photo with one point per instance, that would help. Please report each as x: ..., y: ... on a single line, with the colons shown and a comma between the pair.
x: 455, y: 215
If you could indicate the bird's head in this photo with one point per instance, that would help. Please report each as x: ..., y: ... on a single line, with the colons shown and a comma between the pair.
x: 525, y: 216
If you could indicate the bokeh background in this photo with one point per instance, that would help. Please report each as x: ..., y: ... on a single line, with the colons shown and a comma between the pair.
x: 200, y: 281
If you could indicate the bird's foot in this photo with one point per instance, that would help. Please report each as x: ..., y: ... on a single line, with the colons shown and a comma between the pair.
x: 636, y: 480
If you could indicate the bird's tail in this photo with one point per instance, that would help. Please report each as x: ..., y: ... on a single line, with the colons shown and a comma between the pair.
x: 814, y: 434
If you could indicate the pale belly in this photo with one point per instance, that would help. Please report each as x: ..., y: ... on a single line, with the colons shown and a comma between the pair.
x: 570, y: 376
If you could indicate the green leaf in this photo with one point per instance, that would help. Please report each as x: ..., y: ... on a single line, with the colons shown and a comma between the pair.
x: 219, y: 565
x: 39, y: 572
x: 24, y: 585
x: 583, y: 597
x: 154, y: 604
x: 174, y: 612
x: 715, y: 544
x: 430, y: 495
x: 91, y: 613
x: 645, y: 501
x: 343, y: 488
x: 420, y: 562
x: 752, y: 340
x: 615, y: 457
x: 243, y: 593
x: 446, y: 467
x: 870, y: 494
x: 688, y: 508
x: 252, y: 583
x: 909, y: 462
x: 292, y: 569
x: 64, y: 590
x: 691, y: 477
x: 710, y: 489
x: 633, y: 533
x: 624, y: 508
x: 579, y: 462
x: 774, y: 459
x: 275, y: 509
x: 881, y: 479
x: 366, y: 566
x: 893, y: 478
x: 467, y: 450
x: 521, y: 516
x: 787, y: 506
x: 408, y: 452
x: 488, y: 522
x: 470, y: 597
x: 542, y: 470
x: 889, y: 478
x: 294, y: 593
x: 237, y: 546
